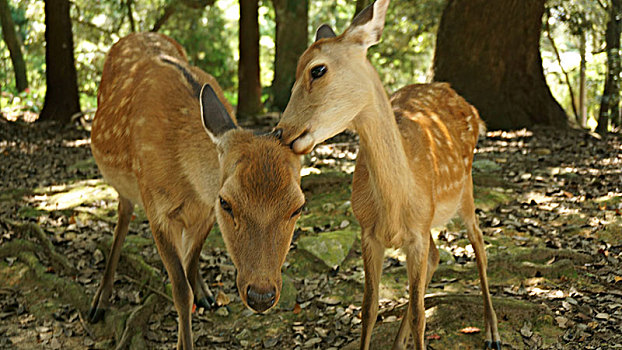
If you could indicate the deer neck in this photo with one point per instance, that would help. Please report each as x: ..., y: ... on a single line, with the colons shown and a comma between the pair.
x: 382, y: 147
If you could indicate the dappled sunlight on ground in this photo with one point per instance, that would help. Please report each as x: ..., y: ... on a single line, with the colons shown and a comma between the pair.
x: 549, y: 207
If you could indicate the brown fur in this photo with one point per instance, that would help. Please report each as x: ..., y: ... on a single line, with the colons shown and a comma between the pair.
x: 149, y: 143
x: 413, y: 170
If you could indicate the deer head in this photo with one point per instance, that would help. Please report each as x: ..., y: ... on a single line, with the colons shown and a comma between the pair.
x: 333, y: 81
x: 258, y: 202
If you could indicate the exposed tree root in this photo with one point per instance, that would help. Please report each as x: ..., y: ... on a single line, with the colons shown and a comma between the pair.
x: 136, y: 324
x: 29, y: 229
x: 148, y: 287
x: 135, y: 265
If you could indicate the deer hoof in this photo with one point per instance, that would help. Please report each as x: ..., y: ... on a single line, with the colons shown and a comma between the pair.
x: 489, y: 344
x: 96, y: 315
x: 206, y: 302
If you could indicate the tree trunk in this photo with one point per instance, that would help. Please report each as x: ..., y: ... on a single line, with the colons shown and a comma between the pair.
x: 490, y: 52
x: 582, y: 82
x: 360, y: 6
x: 14, y: 45
x: 61, y: 96
x: 291, y: 41
x: 249, y: 85
x: 610, y: 101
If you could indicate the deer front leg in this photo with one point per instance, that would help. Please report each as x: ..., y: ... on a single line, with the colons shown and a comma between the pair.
x: 467, y: 214
x: 101, y: 299
x: 203, y: 296
x: 416, y: 264
x: 402, y: 335
x: 373, y: 252
x: 182, y: 291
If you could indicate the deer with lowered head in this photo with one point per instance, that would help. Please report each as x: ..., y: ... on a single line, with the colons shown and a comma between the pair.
x: 413, y: 170
x: 165, y: 138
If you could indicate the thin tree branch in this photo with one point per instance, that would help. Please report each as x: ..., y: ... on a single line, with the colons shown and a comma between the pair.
x: 91, y: 25
x: 602, y: 4
x: 168, y: 12
x: 559, y: 61
x: 130, y: 15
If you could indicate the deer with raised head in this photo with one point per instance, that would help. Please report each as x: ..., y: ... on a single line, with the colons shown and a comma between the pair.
x: 413, y: 170
x: 165, y: 138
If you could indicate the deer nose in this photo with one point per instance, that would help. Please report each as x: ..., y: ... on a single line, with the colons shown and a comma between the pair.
x: 260, y: 300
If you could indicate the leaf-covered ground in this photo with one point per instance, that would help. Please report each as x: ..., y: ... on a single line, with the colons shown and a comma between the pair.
x: 549, y: 202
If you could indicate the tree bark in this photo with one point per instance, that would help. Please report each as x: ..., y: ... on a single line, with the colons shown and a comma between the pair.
x: 249, y: 85
x: 291, y: 41
x: 61, y: 97
x: 610, y: 100
x: 490, y: 52
x: 14, y: 45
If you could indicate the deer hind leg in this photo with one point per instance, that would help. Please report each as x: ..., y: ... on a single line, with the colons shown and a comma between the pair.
x: 467, y: 214
x: 373, y: 253
x: 101, y: 299
x: 203, y: 296
x: 402, y: 335
x: 182, y: 291
x: 416, y: 263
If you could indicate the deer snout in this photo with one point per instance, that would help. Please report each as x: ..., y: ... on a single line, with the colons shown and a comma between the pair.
x: 300, y: 140
x: 260, y: 299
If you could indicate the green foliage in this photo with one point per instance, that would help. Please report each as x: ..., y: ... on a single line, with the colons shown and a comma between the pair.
x: 404, y: 56
x: 568, y: 21
x: 210, y: 37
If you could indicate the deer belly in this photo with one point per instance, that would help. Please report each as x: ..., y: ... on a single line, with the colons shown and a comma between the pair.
x: 444, y: 211
x: 124, y: 182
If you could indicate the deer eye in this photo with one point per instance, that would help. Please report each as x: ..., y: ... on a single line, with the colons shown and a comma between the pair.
x: 298, y: 211
x: 225, y: 206
x: 318, y: 71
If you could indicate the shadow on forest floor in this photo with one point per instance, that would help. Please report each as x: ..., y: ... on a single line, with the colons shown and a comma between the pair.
x: 549, y: 204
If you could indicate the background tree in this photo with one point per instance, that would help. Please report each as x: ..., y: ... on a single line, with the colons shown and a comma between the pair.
x: 291, y: 17
x: 14, y: 44
x: 249, y: 88
x: 569, y: 25
x: 610, y: 101
x: 61, y: 97
x: 495, y: 63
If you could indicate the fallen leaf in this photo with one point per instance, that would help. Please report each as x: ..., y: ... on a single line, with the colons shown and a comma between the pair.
x: 297, y: 309
x: 470, y: 330
x: 433, y: 337
x: 222, y: 299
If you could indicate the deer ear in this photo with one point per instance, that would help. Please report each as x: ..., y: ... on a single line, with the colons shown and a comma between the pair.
x: 214, y: 116
x: 366, y: 28
x: 324, y: 31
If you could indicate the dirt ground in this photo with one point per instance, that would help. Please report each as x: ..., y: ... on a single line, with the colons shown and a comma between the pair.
x: 549, y: 202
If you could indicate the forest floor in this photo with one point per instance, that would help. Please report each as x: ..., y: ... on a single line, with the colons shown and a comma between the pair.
x: 549, y: 203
